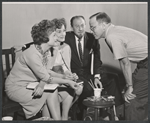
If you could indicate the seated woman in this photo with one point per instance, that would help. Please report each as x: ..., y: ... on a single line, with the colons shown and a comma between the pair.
x: 59, y: 62
x: 30, y: 67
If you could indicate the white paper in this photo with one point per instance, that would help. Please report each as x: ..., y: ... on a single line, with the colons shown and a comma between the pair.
x: 46, y: 87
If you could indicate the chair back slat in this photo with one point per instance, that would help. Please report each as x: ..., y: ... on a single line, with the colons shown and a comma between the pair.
x: 7, y: 61
x: 13, y: 55
x: 2, y: 71
x: 9, y: 56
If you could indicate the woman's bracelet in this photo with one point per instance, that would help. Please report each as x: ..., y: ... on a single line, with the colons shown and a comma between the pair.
x: 49, y: 80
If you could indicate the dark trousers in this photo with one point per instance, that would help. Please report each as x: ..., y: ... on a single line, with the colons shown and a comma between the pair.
x: 110, y: 86
x: 137, y: 109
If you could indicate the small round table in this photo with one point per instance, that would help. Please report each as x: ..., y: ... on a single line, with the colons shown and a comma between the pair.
x: 97, y: 105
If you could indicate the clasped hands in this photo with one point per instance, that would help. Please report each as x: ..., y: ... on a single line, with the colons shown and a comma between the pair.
x: 73, y: 76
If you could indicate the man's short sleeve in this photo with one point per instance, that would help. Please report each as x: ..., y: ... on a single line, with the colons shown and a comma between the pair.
x: 118, y: 47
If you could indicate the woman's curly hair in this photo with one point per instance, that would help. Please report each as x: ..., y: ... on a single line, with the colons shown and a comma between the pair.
x: 40, y: 32
x: 59, y: 22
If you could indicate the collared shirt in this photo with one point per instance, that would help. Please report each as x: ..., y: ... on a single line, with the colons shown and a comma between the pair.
x: 127, y: 42
x: 110, y: 26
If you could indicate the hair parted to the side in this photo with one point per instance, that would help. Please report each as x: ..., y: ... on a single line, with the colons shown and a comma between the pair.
x: 40, y: 32
x: 75, y: 17
x: 101, y: 17
x: 58, y: 23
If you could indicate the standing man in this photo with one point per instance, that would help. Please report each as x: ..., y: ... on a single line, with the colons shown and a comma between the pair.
x: 83, y: 44
x: 128, y: 46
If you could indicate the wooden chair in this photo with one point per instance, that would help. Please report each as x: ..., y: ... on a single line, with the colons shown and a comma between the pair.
x: 8, y: 106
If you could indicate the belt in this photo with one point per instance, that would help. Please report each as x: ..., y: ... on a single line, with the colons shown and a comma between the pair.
x: 144, y: 60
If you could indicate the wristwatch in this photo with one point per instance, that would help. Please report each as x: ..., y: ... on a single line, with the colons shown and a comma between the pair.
x: 129, y: 85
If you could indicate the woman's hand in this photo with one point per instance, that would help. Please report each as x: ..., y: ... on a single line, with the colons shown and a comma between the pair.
x: 75, y: 76
x: 68, y: 72
x: 70, y: 77
x: 38, y: 91
x: 73, y: 84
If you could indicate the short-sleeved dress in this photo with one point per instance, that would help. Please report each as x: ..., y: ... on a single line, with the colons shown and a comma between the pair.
x: 28, y: 68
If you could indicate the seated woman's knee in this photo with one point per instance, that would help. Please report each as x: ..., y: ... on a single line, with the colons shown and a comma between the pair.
x: 79, y: 90
x: 52, y: 95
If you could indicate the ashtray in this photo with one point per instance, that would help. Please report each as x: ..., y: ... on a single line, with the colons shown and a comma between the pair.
x: 93, y: 98
x: 44, y: 118
x: 110, y: 98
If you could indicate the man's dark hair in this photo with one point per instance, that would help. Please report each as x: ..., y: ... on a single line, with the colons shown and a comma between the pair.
x: 75, y: 17
x: 101, y: 17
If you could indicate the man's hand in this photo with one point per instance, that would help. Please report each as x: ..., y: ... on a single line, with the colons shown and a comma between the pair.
x: 97, y: 82
x: 38, y: 91
x: 129, y: 95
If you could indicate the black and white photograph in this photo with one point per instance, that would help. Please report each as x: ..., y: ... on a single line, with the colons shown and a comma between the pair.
x: 74, y: 61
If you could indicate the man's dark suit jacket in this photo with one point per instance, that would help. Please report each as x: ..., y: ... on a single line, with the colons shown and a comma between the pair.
x: 90, y: 45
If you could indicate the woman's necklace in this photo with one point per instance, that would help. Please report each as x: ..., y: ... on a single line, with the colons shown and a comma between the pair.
x: 44, y: 55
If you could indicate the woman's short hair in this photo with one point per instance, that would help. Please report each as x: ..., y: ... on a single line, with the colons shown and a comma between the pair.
x: 59, y: 23
x: 102, y: 17
x: 40, y: 32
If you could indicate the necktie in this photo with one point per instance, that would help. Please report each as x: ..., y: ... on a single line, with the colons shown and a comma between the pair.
x: 80, y: 50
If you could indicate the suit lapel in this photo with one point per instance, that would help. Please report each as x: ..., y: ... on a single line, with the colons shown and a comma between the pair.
x: 85, y: 45
x: 74, y: 48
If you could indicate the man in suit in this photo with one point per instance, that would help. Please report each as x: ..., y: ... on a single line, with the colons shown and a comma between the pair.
x: 83, y: 45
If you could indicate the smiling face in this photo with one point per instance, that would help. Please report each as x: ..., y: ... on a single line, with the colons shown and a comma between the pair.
x: 96, y: 28
x: 78, y: 27
x: 61, y: 33
x: 52, y: 39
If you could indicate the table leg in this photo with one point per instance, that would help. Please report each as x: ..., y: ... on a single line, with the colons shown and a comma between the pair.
x: 97, y: 113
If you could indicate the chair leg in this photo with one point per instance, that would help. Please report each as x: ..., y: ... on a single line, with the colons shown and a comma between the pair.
x: 15, y: 115
x: 111, y: 113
